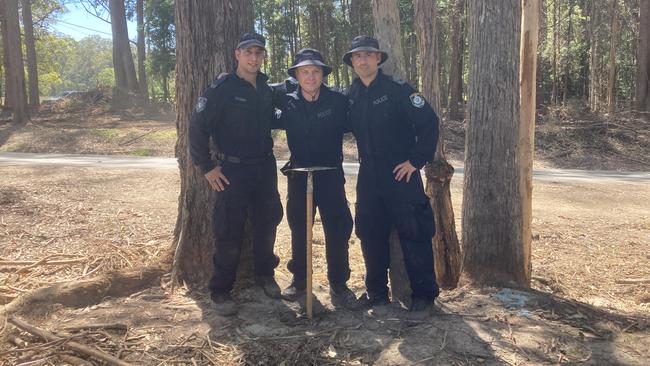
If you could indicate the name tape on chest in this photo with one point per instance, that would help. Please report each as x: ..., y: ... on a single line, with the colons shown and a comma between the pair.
x: 380, y: 100
x: 323, y: 114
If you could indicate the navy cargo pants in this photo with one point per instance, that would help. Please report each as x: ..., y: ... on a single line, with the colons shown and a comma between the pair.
x: 329, y: 197
x: 383, y: 203
x: 253, y: 190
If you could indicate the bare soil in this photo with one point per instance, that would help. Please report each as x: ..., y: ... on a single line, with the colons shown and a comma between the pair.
x: 588, y: 236
x: 64, y: 226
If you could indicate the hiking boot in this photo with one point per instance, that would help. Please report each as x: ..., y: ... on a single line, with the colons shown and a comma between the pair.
x: 420, y: 304
x: 223, y: 303
x: 268, y: 284
x: 294, y: 291
x: 367, y: 301
x: 343, y: 297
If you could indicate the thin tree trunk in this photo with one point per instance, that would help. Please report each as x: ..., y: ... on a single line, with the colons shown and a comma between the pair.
x: 15, y: 70
x: 387, y: 31
x: 456, y: 72
x: 30, y: 48
x: 643, y: 57
x: 206, y: 36
x: 556, y: 33
x: 611, y: 77
x: 526, y: 145
x: 142, y: 54
x: 593, y: 60
x: 446, y: 247
x: 494, y: 250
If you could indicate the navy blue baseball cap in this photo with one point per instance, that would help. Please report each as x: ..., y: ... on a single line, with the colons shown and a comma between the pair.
x: 367, y: 44
x: 308, y: 56
x: 252, y: 39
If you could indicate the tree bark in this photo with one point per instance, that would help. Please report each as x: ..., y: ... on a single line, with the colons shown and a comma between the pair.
x: 494, y: 250
x: 456, y: 72
x: 15, y: 70
x: 528, y: 102
x: 206, y: 35
x: 30, y: 48
x: 446, y: 247
x: 125, y: 77
x: 387, y: 31
x: 611, y: 76
x: 643, y: 58
x: 142, y: 54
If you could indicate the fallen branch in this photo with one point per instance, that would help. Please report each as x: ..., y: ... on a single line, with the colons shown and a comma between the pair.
x: 49, y: 337
x: 115, y: 326
x: 41, y: 263
x: 633, y: 281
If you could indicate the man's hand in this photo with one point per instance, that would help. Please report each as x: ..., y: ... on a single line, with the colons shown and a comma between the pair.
x: 217, y: 180
x: 404, y: 169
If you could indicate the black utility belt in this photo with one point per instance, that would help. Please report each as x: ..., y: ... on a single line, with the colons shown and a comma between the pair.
x: 245, y: 161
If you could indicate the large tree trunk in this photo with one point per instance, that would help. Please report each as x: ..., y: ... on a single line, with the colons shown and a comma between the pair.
x: 142, y: 55
x: 493, y: 244
x: 611, y: 76
x: 446, y: 248
x: 387, y: 31
x: 528, y: 102
x: 15, y: 70
x: 456, y: 72
x: 643, y: 58
x: 207, y: 32
x: 125, y: 77
x: 30, y: 48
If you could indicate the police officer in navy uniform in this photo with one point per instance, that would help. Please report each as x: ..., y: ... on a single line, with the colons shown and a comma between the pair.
x: 314, y: 118
x: 396, y: 131
x: 237, y: 112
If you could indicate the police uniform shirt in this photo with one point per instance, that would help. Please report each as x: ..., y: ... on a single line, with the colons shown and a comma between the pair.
x: 314, y: 129
x: 392, y: 122
x: 237, y: 116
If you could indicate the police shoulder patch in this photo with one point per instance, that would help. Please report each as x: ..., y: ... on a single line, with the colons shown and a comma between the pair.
x: 417, y: 100
x: 200, y: 104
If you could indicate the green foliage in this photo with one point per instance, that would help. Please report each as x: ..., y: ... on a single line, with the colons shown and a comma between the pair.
x: 160, y: 33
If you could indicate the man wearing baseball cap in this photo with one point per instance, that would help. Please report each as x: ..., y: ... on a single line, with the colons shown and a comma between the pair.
x: 397, y: 132
x: 314, y: 118
x: 237, y: 111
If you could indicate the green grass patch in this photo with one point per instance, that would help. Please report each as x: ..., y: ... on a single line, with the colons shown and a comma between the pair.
x: 106, y: 134
x: 141, y: 152
x: 166, y: 134
x: 20, y: 147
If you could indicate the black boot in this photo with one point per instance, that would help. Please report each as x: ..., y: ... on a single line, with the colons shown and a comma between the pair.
x: 223, y: 303
x: 367, y: 301
x: 268, y: 284
x: 343, y: 297
x: 294, y: 291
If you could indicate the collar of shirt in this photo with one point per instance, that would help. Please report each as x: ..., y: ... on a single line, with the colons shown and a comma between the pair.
x: 260, y: 79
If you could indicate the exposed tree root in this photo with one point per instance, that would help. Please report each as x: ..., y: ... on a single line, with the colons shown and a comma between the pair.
x: 86, y: 292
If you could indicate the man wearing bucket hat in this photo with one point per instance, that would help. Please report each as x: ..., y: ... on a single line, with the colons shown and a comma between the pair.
x: 236, y: 111
x: 396, y: 131
x: 314, y: 118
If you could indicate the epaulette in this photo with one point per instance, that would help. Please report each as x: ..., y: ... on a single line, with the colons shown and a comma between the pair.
x: 218, y: 81
x: 294, y: 95
x: 397, y: 80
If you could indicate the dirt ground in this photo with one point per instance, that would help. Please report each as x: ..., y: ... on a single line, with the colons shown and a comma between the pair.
x: 60, y: 225
x: 587, y: 236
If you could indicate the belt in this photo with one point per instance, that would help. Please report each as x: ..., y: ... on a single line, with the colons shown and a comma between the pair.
x: 245, y: 161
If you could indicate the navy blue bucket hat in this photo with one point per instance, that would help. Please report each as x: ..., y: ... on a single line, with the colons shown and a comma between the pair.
x: 367, y: 44
x: 308, y: 56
